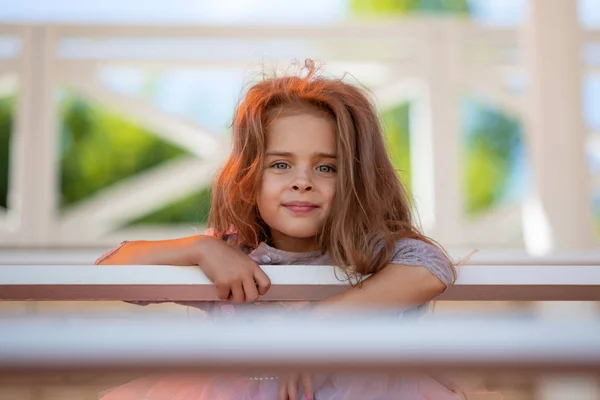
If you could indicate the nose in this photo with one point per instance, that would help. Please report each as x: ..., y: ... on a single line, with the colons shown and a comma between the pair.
x: 302, y: 187
x: 302, y: 181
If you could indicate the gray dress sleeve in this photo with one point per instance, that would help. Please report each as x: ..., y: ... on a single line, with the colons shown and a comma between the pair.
x: 419, y: 253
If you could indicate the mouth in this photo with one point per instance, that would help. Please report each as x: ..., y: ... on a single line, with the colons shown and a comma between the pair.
x: 300, y: 207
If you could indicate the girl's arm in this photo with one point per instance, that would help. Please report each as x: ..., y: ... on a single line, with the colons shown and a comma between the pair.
x: 236, y: 276
x: 183, y: 251
x: 417, y: 273
x: 395, y: 286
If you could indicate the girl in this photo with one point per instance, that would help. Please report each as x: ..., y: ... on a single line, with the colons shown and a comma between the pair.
x: 308, y: 181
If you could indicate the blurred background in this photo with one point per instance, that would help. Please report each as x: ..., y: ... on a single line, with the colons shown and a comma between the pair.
x: 115, y: 115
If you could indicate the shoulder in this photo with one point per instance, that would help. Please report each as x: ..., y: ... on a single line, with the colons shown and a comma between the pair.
x: 409, y: 251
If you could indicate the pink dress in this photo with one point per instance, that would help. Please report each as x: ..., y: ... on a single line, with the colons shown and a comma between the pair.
x: 326, y: 387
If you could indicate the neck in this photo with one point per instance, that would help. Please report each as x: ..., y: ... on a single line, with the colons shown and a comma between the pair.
x: 295, y: 245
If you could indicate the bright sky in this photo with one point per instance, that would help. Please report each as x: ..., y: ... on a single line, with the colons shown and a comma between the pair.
x: 216, y: 11
x: 182, y: 11
x: 493, y: 12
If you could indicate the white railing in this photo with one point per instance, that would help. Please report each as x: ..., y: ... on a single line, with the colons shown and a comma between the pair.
x: 289, y: 282
x: 429, y: 62
x: 298, y: 342
x: 430, y: 52
x: 104, y: 343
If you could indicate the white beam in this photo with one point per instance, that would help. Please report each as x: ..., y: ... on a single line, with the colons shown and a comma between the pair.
x: 33, y: 188
x: 496, y: 95
x: 490, y: 83
x: 488, y: 36
x: 165, y: 126
x: 406, y: 27
x: 297, y: 342
x: 364, y: 71
x: 494, y: 72
x: 135, y: 197
x: 372, y: 29
x: 394, y: 93
x: 435, y: 139
x: 505, y: 221
x: 240, y: 50
x: 288, y: 282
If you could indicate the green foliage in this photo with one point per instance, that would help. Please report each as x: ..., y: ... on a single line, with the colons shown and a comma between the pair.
x: 7, y: 107
x: 99, y: 148
x: 400, y: 7
x: 396, y: 124
x: 493, y: 142
x: 192, y: 209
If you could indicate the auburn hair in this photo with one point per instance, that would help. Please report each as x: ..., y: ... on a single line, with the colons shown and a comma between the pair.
x: 371, y: 209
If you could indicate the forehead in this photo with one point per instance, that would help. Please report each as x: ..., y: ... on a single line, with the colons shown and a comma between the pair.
x: 302, y: 133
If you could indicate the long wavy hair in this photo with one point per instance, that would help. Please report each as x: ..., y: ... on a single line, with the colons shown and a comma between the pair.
x: 371, y: 209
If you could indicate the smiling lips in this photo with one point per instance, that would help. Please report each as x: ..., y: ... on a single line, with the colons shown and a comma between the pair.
x: 300, y: 207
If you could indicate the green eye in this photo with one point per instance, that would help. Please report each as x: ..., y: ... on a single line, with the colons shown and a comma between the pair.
x: 280, y: 165
x: 325, y: 168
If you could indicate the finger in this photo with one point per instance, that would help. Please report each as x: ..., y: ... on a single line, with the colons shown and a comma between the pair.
x: 237, y: 293
x: 223, y: 291
x: 293, y: 387
x: 250, y: 290
x: 263, y: 283
x: 307, y: 386
x: 282, y: 393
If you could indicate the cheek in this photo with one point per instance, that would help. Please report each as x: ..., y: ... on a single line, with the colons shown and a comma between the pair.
x: 266, y: 195
x: 262, y: 205
x: 266, y: 187
x: 329, y: 192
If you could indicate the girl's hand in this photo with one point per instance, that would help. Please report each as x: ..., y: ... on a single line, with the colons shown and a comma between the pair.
x: 288, y: 386
x: 236, y: 276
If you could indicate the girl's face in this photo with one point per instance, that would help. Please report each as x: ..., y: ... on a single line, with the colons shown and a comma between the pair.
x: 298, y: 179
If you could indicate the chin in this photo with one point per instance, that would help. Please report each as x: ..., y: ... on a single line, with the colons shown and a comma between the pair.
x: 300, y: 232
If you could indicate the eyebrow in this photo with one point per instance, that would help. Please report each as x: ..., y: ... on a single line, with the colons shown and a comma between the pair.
x: 289, y: 154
